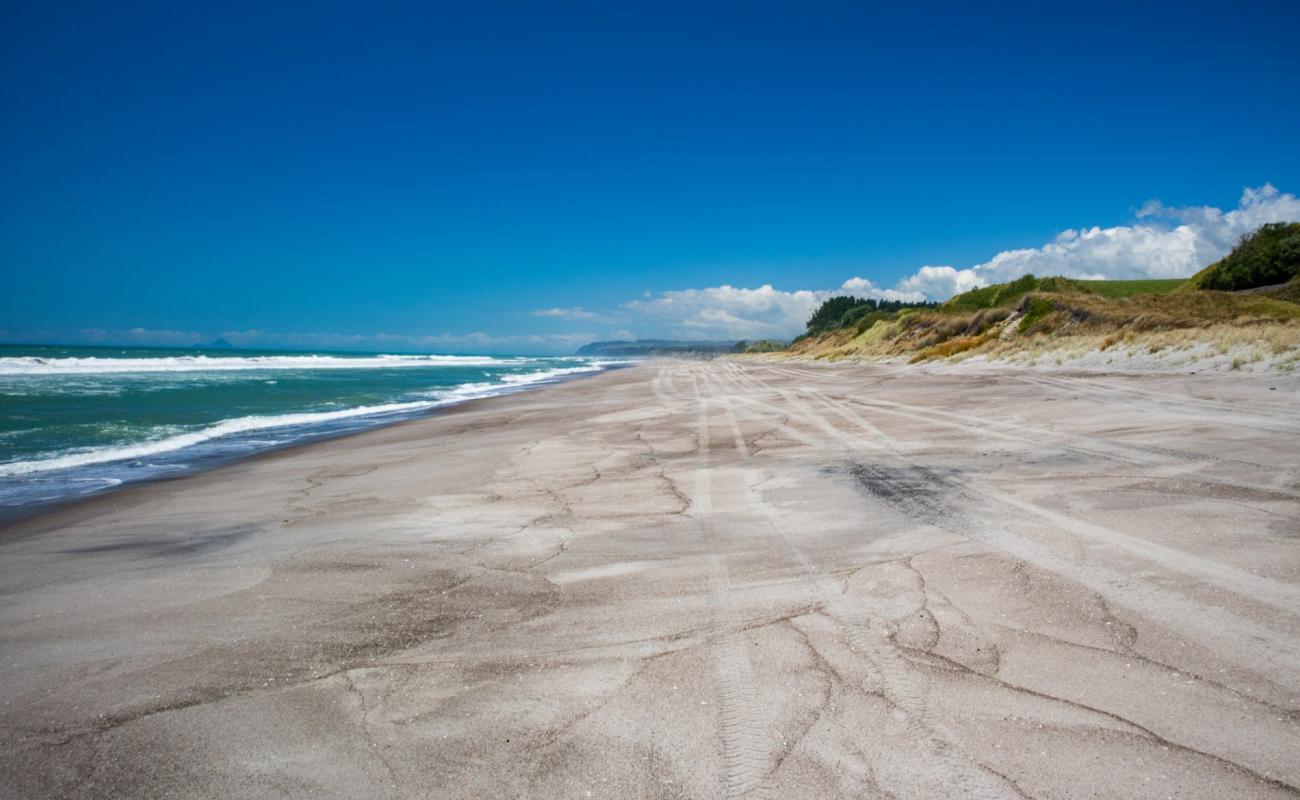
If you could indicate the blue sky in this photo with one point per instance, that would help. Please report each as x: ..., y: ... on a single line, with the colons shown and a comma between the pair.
x: 522, y: 177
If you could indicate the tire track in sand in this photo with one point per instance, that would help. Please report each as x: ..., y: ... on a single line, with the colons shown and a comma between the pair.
x: 1197, y: 410
x: 928, y: 497
x: 1244, y: 642
x: 1105, y: 449
x: 1268, y: 591
x: 746, y: 747
x: 941, y: 769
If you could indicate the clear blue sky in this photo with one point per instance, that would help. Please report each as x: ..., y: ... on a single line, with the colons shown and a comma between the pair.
x: 450, y: 168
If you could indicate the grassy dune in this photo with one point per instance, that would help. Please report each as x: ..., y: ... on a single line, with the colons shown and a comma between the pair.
x: 1245, y: 306
x: 1033, y: 317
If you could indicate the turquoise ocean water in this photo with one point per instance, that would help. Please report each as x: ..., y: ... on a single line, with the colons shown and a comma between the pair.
x: 80, y: 420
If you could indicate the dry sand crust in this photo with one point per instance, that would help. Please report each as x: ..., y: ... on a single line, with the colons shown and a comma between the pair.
x: 690, y: 580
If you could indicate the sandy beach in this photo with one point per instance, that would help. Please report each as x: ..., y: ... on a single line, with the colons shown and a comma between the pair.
x: 690, y: 580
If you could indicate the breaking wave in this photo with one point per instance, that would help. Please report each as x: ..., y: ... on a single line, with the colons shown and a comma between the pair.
x: 36, y: 365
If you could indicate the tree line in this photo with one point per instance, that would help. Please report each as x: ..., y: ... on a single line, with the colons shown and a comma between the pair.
x: 844, y: 310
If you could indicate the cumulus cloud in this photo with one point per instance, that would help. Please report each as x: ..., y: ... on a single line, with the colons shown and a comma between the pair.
x: 1162, y: 242
x: 862, y: 287
x: 730, y: 312
x: 939, y: 282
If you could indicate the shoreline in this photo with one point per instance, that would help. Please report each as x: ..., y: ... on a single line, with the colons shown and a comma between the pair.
x: 94, y: 502
x: 11, y: 516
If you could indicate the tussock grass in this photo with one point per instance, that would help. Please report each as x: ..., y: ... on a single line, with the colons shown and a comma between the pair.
x: 1034, y: 309
x: 1276, y: 342
x: 951, y: 347
x: 1008, y: 294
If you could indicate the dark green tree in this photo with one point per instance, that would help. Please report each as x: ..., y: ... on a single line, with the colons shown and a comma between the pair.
x: 843, y: 311
x: 1269, y: 255
x: 828, y: 315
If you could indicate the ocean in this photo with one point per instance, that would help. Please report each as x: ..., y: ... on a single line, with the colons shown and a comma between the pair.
x: 80, y: 420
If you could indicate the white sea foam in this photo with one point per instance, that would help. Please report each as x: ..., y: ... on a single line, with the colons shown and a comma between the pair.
x: 470, y: 391
x: 524, y: 378
x: 226, y: 427
x: 33, y: 365
x: 241, y: 425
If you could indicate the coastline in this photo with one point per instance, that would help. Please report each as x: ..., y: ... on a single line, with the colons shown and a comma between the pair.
x: 13, y: 515
x: 65, y: 511
x: 688, y: 579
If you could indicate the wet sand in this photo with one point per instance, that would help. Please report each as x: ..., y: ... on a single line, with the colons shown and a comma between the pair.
x: 690, y: 580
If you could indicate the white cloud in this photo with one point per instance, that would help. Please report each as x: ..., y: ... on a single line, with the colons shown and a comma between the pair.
x: 862, y: 287
x: 727, y: 312
x: 935, y: 282
x: 577, y: 312
x: 1163, y: 242
x: 730, y: 312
